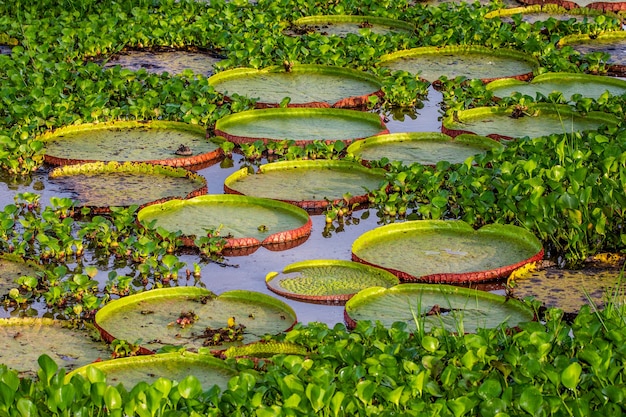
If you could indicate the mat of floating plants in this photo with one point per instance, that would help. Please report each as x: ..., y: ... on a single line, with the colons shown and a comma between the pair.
x: 568, y: 84
x: 604, y: 5
x: 447, y: 251
x: 101, y: 185
x: 487, y: 64
x: 426, y: 148
x: 243, y: 221
x: 175, y: 366
x: 303, y: 125
x: 569, y: 290
x: 305, y: 85
x: 12, y: 268
x: 164, y: 143
x: 23, y: 340
x: 191, y: 318
x: 327, y: 281
x: 342, y: 25
x: 172, y: 62
x: 543, y: 12
x: 533, y: 121
x: 308, y: 184
x: 612, y: 43
x: 426, y: 306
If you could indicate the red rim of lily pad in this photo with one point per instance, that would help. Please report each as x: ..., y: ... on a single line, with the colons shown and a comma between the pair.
x: 283, y: 239
x: 174, y: 326
x: 366, y: 118
x: 181, y: 160
x: 532, y: 248
x: 312, y: 206
x: 326, y: 268
x: 346, y: 102
x: 96, y: 168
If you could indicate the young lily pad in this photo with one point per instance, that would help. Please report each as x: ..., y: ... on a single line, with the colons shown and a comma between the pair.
x: 244, y: 221
x: 22, y: 341
x: 327, y: 281
x: 192, y: 317
x: 174, y: 366
x: 305, y: 85
x: 13, y: 267
x: 342, y: 25
x: 312, y: 185
x: 613, y: 43
x: 533, y: 121
x: 101, y: 185
x: 569, y: 84
x: 569, y: 290
x: 426, y: 148
x: 469, y: 61
x: 172, y: 62
x: 426, y: 306
x: 447, y: 251
x: 156, y: 142
x: 301, y: 125
x: 604, y: 5
x: 543, y: 12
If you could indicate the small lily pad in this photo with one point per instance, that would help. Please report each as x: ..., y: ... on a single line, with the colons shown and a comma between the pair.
x: 299, y: 124
x: 327, y: 281
x: 447, y: 251
x: 101, y: 185
x: 426, y: 148
x: 175, y: 366
x: 155, y: 142
x: 425, y: 306
x: 192, y: 317
x: 312, y: 185
x: 342, y: 25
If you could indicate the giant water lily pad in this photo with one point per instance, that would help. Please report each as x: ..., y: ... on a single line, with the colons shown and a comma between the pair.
x: 13, y: 267
x: 22, y: 341
x: 101, y: 185
x: 172, y: 62
x: 175, y: 366
x: 483, y: 63
x: 543, y: 12
x: 447, y: 251
x: 298, y: 124
x: 327, y: 281
x: 308, y: 184
x: 192, y: 317
x: 604, y: 5
x: 243, y: 221
x: 157, y: 142
x: 342, y: 25
x: 305, y: 85
x: 426, y: 148
x: 612, y: 43
x: 425, y: 306
x: 533, y: 121
x: 568, y: 84
x: 569, y: 290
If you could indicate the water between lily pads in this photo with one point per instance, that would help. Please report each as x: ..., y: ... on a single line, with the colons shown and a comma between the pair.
x: 248, y: 272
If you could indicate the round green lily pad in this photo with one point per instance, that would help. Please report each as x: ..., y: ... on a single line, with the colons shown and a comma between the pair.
x: 426, y: 148
x: 175, y: 366
x: 13, y: 267
x: 533, y: 121
x: 612, y: 43
x: 543, y: 12
x: 101, y: 185
x: 192, y: 317
x: 327, y: 281
x: 305, y: 85
x: 243, y: 221
x: 425, y: 306
x: 312, y: 184
x: 569, y: 84
x: 173, y: 62
x: 342, y: 25
x: 569, y: 290
x: 483, y: 63
x: 604, y: 5
x: 157, y: 142
x: 299, y: 124
x: 22, y: 341
x: 448, y: 251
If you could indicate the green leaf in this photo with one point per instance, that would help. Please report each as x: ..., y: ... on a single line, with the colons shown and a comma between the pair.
x: 112, y: 398
x: 27, y: 408
x: 189, y: 387
x: 48, y: 368
x: 570, y: 377
x: 365, y: 391
x: 531, y: 400
x: 431, y: 344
